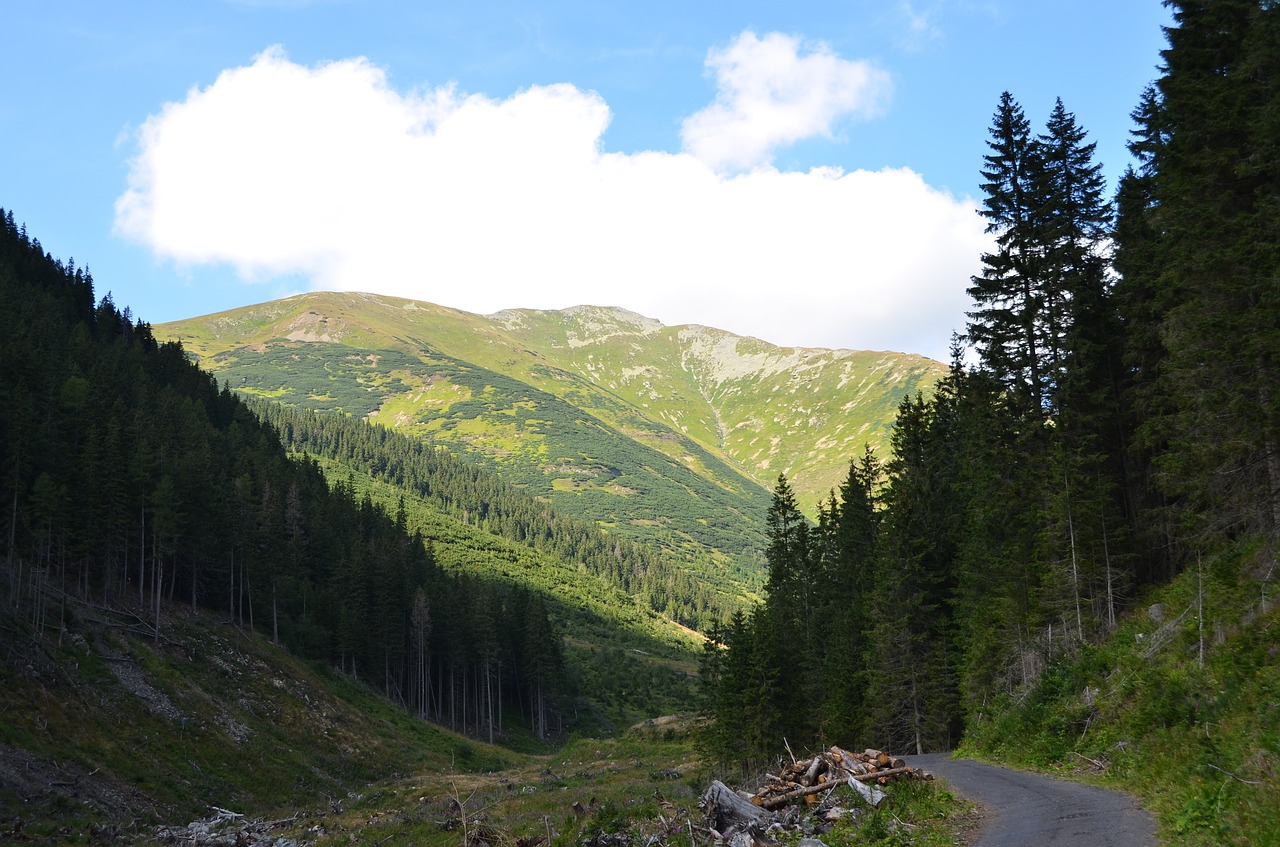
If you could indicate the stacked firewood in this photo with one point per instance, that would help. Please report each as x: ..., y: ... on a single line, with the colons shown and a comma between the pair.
x: 807, y: 779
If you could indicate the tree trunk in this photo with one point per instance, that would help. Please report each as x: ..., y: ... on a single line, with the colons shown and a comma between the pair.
x: 142, y: 558
x: 275, y: 617
x: 726, y: 810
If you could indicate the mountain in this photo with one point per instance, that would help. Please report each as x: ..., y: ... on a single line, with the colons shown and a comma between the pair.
x: 665, y: 434
x: 136, y: 486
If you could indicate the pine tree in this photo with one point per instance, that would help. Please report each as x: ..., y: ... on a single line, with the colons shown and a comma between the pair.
x: 848, y: 549
x: 1044, y: 203
x: 791, y: 610
x: 913, y: 683
x: 1005, y: 325
x: 1214, y: 183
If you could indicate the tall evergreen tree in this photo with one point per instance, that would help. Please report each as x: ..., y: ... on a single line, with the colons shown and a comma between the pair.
x: 1199, y: 251
x: 1004, y: 326
x: 1044, y: 204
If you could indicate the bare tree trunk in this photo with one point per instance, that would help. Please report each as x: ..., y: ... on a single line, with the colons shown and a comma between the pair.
x: 1075, y: 563
x: 158, y: 570
x: 1271, y: 450
x: 13, y: 529
x: 1111, y: 590
x: 142, y: 557
x: 488, y: 695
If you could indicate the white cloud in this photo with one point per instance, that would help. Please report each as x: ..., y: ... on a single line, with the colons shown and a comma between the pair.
x: 769, y: 96
x: 483, y: 204
x: 922, y: 25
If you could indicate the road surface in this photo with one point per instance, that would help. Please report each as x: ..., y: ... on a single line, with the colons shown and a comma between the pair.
x: 1029, y: 809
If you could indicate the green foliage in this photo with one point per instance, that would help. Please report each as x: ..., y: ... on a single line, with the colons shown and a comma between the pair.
x: 148, y: 734
x: 533, y: 439
x: 730, y: 410
x: 691, y: 592
x: 1198, y: 742
x: 914, y: 814
x: 136, y: 483
x: 1198, y: 251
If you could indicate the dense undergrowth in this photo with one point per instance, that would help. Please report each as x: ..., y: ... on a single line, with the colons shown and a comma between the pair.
x: 1180, y: 706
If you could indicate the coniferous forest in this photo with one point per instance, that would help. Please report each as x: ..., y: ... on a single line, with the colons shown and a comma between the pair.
x: 133, y: 480
x: 1110, y: 420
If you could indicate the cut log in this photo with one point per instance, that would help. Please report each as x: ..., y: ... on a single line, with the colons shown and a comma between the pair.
x: 882, y: 774
x: 726, y: 810
x: 811, y: 774
x: 849, y: 762
x: 780, y: 800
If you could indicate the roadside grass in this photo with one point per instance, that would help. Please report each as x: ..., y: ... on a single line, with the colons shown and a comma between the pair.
x: 1180, y: 706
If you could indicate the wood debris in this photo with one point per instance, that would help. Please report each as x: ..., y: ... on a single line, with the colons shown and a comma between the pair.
x: 742, y: 819
x: 806, y: 779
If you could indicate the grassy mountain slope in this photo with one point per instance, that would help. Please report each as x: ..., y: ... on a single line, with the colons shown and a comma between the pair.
x: 731, y: 411
x: 1181, y: 706
x: 366, y: 359
x: 765, y: 409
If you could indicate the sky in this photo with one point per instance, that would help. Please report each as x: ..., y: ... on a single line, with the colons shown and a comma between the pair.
x: 804, y: 172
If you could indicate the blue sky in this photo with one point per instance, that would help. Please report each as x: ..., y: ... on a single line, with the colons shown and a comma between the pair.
x: 804, y: 172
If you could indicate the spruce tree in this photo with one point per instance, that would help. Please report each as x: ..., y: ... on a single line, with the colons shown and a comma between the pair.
x: 1004, y: 326
x: 1199, y: 255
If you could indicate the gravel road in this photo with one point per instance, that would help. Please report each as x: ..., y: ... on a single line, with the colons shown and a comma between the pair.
x: 1029, y: 809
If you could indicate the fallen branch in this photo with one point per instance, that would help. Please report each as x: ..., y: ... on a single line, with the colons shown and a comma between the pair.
x: 1233, y: 776
x: 780, y: 800
x: 1099, y: 765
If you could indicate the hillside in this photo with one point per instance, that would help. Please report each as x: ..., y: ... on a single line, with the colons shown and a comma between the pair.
x: 135, y: 483
x: 105, y: 727
x: 1179, y: 705
x: 609, y: 413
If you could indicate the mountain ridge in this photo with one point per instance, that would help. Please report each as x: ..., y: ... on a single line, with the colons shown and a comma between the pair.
x: 760, y: 408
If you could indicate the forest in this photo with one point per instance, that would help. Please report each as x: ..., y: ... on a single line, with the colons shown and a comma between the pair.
x: 497, y: 506
x: 132, y: 479
x: 1110, y: 421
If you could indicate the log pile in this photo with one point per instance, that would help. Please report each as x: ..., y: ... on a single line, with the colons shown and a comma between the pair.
x: 808, y: 778
x: 742, y: 819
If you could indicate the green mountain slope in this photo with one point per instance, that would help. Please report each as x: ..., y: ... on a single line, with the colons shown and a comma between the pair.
x: 135, y: 482
x: 671, y: 434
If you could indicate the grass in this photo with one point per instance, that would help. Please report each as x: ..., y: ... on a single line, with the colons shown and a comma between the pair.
x: 641, y: 788
x: 1183, y: 710
x: 112, y: 728
x: 734, y: 410
x: 117, y: 735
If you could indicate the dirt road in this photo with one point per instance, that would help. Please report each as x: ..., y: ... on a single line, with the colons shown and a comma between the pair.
x: 1028, y: 809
